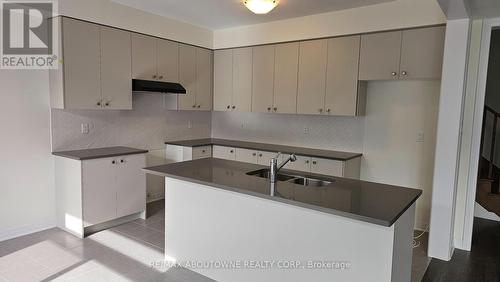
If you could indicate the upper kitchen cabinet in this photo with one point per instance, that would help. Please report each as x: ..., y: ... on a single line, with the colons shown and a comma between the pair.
x: 233, y: 80
x: 204, y: 79
x: 380, y: 55
x: 408, y: 54
x: 312, y: 76
x: 144, y: 62
x: 242, y: 80
x: 263, y: 79
x: 116, y: 69
x: 422, y: 53
x: 286, y: 67
x: 223, y: 80
x: 154, y: 59
x: 344, y: 93
x: 187, y: 76
x: 95, y: 70
x: 195, y: 72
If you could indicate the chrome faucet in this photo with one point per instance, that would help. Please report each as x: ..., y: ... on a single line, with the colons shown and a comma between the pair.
x: 275, y: 167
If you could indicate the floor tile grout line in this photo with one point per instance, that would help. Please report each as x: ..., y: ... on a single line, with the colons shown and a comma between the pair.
x: 147, y: 227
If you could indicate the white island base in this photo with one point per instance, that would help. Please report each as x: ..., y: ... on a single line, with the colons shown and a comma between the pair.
x: 230, y: 236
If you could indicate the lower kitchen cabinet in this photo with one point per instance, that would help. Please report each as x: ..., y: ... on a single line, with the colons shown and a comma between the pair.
x: 226, y: 153
x: 175, y: 153
x: 340, y: 168
x: 348, y: 169
x: 99, y: 193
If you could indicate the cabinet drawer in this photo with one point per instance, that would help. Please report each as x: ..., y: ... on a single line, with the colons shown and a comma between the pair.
x: 222, y: 152
x: 327, y: 167
x: 246, y: 156
x: 202, y: 152
x: 301, y: 164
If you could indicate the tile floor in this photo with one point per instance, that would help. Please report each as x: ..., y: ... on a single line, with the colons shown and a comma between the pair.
x: 123, y: 253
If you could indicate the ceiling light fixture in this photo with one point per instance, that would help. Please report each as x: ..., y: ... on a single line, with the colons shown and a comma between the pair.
x: 261, y: 6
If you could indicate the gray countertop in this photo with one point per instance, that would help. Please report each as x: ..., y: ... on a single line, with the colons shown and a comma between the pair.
x: 360, y: 200
x: 327, y: 154
x: 98, y: 153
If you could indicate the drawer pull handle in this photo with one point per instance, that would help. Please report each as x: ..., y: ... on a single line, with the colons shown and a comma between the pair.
x: 113, y: 162
x: 314, y: 162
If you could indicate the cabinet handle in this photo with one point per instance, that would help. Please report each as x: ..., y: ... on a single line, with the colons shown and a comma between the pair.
x: 269, y: 109
x: 122, y: 161
x: 107, y: 104
x: 320, y: 110
x: 198, y: 106
x: 203, y: 151
x: 394, y: 73
x: 232, y: 151
x: 161, y: 77
x: 254, y: 154
x: 154, y: 76
x: 229, y: 107
x: 113, y: 162
x: 260, y: 155
x: 404, y: 73
x: 99, y: 103
x: 328, y: 110
x: 194, y: 106
x: 234, y: 107
x: 275, y: 109
x: 307, y: 162
x: 314, y: 162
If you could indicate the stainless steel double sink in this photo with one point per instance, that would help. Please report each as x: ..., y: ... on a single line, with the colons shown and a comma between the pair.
x: 295, y: 179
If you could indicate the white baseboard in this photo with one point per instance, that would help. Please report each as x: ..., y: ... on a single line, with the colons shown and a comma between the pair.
x: 481, y: 212
x: 25, y: 230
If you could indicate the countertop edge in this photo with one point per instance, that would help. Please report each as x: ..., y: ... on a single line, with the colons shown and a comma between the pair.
x: 102, y: 156
x: 212, y: 143
x: 351, y: 216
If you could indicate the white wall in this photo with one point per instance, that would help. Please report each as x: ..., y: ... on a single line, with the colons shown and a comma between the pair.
x: 113, y: 14
x: 392, y: 15
x: 397, y: 111
x: 448, y: 141
x: 26, y: 171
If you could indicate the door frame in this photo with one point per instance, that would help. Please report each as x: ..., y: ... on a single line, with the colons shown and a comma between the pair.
x: 488, y: 26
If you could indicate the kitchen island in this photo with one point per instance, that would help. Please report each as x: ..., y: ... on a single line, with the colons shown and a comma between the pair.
x: 225, y: 221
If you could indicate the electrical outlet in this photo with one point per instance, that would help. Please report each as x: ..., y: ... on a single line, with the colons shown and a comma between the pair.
x: 85, y: 128
x: 306, y: 130
x: 420, y: 136
x: 190, y: 124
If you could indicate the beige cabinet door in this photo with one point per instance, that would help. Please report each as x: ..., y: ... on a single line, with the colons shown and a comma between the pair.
x: 226, y: 153
x: 246, y: 156
x: 312, y: 76
x: 263, y: 79
x: 242, y: 80
x: 204, y: 78
x: 82, y: 81
x: 342, y: 76
x: 285, y: 77
x: 327, y: 167
x: 264, y: 158
x: 167, y: 60
x: 131, y: 185
x: 422, y: 53
x: 187, y: 77
x: 223, y: 80
x: 99, y: 190
x: 380, y: 56
x: 144, y: 59
x: 116, y: 64
x: 302, y: 163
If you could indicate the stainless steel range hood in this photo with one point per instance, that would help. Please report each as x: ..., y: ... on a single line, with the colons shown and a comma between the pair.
x: 139, y: 85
